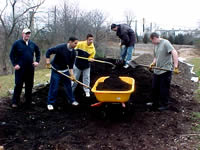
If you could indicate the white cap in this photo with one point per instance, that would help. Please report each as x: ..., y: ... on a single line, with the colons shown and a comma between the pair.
x: 26, y: 30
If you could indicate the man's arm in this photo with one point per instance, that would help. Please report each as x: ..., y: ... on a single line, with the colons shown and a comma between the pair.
x: 93, y: 52
x: 175, y: 58
x: 12, y: 54
x: 48, y: 54
x: 37, y: 53
x: 125, y: 39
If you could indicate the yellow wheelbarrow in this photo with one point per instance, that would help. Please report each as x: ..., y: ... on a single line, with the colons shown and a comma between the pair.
x: 113, y: 96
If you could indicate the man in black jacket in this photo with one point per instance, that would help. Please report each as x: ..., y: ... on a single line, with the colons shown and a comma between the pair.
x: 63, y: 61
x: 127, y: 36
x: 22, y: 58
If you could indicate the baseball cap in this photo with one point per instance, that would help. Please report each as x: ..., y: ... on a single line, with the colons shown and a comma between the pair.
x: 26, y: 30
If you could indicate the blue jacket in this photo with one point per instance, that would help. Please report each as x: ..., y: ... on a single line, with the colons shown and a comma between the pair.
x: 23, y: 55
x: 64, y: 57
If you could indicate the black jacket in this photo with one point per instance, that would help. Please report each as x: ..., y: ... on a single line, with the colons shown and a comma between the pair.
x: 23, y: 55
x: 126, y: 34
x: 64, y: 57
x: 82, y: 63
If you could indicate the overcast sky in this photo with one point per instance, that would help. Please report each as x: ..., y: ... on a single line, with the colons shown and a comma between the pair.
x: 165, y: 13
x: 173, y: 13
x: 168, y: 13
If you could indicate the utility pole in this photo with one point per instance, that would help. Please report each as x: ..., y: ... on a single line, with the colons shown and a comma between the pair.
x: 151, y: 27
x: 143, y: 25
x: 136, y: 34
x: 55, y: 19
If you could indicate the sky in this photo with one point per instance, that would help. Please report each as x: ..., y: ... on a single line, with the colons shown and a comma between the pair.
x: 169, y: 13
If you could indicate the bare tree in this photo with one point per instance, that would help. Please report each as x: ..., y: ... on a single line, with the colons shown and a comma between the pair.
x: 97, y: 19
x: 130, y: 16
x: 13, y: 21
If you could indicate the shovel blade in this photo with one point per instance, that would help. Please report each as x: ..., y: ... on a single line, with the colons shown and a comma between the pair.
x: 133, y: 64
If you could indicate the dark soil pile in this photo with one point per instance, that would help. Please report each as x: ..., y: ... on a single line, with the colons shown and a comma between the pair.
x: 113, y: 83
x: 109, y: 126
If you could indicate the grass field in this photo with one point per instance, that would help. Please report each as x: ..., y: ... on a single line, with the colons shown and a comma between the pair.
x: 7, y: 82
x: 196, y: 63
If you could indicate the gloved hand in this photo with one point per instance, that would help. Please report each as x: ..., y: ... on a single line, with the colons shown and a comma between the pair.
x: 48, y: 66
x: 151, y: 65
x: 176, y: 70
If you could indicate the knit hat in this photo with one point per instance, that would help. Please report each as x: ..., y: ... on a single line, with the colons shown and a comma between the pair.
x: 113, y: 26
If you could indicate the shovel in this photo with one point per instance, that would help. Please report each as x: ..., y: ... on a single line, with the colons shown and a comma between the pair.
x: 134, y: 65
x: 100, y: 61
x: 71, y: 78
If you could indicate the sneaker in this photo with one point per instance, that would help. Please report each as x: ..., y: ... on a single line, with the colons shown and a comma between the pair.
x: 126, y: 66
x: 123, y: 105
x: 163, y: 108
x: 149, y: 104
x: 14, y: 106
x: 50, y: 107
x: 75, y: 103
x: 87, y: 94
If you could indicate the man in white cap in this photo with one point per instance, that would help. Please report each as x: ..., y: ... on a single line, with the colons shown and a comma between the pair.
x: 22, y: 58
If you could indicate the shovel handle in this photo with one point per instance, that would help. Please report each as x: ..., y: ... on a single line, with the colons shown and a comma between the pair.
x: 71, y: 78
x: 101, y: 61
x: 154, y: 67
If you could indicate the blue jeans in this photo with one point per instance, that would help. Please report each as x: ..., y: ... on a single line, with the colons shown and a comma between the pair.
x: 126, y: 53
x: 56, y: 78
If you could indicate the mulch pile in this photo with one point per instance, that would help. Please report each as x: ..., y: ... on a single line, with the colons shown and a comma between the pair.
x: 113, y: 83
x: 109, y: 126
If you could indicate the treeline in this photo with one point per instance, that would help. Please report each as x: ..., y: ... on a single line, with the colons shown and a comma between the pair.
x: 49, y: 26
x: 180, y: 39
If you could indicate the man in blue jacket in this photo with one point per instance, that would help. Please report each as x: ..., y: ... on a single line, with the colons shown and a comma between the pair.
x: 22, y: 58
x: 63, y: 61
x: 127, y: 36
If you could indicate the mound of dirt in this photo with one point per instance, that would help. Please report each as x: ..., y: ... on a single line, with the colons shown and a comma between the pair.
x: 109, y: 126
x: 113, y: 83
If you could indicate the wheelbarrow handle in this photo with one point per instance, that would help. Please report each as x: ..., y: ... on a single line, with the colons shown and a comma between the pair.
x: 71, y: 78
x: 101, y: 61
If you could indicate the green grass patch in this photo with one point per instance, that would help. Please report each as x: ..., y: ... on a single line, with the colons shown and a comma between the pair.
x: 7, y: 82
x: 196, y: 121
x: 196, y: 63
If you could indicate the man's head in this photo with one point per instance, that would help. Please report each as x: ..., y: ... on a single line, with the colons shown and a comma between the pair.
x: 73, y: 41
x: 154, y: 37
x: 114, y: 27
x: 26, y: 33
x: 90, y: 39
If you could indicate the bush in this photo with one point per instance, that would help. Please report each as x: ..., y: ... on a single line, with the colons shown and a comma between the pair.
x: 197, y: 43
x: 146, y: 38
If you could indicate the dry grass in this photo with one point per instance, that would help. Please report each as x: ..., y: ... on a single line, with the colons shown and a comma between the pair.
x: 7, y: 82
